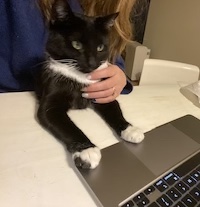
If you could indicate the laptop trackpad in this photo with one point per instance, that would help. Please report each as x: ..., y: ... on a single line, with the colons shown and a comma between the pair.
x: 163, y: 147
x: 118, y: 175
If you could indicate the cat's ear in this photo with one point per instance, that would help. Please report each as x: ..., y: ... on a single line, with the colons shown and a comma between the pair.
x: 61, y: 11
x: 107, y: 21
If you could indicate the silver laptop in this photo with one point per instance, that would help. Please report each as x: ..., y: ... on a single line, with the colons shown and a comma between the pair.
x: 163, y: 170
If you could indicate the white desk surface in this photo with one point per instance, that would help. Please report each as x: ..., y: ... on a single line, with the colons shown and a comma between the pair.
x: 35, y: 171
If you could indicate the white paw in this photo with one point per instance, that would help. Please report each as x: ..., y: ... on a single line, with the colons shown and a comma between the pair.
x: 132, y: 134
x: 88, y: 158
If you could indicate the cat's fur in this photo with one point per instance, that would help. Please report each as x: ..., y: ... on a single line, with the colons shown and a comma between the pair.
x: 72, y: 53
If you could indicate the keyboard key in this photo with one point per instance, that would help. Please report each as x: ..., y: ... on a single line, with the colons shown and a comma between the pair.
x: 149, y: 190
x: 189, y: 181
x: 198, y: 186
x: 181, y: 187
x: 173, y: 194
x: 154, y: 204
x: 164, y: 201
x: 195, y: 193
x: 196, y: 175
x: 139, y: 197
x: 171, y: 178
x: 161, y: 185
x: 179, y: 204
x: 189, y: 201
x: 143, y: 202
x: 128, y: 204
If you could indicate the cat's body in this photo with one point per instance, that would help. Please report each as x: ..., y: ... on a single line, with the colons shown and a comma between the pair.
x: 77, y: 45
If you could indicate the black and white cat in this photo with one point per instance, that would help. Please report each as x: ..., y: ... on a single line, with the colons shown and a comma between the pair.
x: 77, y: 45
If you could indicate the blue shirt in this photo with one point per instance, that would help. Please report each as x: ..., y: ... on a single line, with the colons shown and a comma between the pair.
x: 23, y: 36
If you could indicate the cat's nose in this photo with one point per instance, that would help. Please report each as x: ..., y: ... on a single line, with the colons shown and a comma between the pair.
x: 92, y: 63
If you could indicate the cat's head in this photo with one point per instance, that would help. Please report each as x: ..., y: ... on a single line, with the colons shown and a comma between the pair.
x: 79, y: 37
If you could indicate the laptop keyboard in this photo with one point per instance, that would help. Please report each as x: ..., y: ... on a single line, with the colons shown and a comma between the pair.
x: 179, y: 188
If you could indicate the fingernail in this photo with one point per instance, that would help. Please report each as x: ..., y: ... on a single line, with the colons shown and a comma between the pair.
x: 84, y: 95
x: 89, y: 77
x: 93, y: 100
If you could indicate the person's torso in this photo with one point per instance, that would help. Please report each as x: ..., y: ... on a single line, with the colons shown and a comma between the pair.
x: 23, y: 35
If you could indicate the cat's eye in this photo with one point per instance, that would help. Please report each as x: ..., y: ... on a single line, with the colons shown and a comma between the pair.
x: 77, y: 45
x: 100, y: 48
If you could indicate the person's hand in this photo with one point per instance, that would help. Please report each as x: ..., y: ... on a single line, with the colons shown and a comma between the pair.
x: 109, y: 88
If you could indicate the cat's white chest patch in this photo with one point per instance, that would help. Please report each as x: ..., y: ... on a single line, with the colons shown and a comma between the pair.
x: 70, y: 71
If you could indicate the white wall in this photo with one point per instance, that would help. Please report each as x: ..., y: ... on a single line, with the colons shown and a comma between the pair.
x: 173, y: 30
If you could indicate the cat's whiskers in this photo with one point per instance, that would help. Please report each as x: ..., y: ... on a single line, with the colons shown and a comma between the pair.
x: 103, y: 61
x: 41, y: 63
x: 70, y: 70
x: 70, y: 61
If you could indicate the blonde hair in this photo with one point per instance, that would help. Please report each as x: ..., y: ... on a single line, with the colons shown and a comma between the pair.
x: 121, y: 33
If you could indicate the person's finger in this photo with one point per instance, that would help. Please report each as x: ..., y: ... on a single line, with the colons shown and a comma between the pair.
x: 99, y: 94
x: 103, y: 73
x: 100, y: 86
x: 106, y: 99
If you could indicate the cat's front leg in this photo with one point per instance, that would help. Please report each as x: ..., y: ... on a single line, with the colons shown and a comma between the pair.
x: 55, y: 119
x: 112, y: 114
